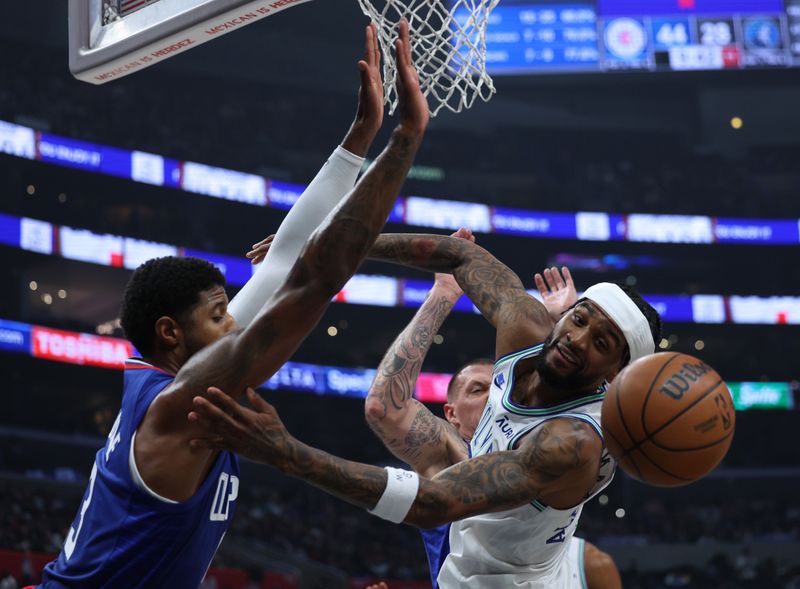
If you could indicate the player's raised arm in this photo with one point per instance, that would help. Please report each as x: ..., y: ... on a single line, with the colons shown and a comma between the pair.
x: 520, y: 320
x: 557, y: 462
x: 407, y: 428
x: 332, y: 183
x: 330, y: 258
x: 248, y: 357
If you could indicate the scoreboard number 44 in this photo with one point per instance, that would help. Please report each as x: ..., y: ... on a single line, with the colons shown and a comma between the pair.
x: 672, y: 34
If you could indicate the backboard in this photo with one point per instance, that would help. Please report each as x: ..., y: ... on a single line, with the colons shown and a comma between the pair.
x: 109, y: 39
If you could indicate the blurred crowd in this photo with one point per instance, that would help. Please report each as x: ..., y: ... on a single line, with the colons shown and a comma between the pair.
x: 281, y: 134
x: 306, y: 525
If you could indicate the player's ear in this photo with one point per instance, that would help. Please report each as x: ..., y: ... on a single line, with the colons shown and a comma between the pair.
x: 450, y: 414
x: 168, y: 332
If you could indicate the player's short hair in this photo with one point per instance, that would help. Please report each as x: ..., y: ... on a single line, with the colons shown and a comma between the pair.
x: 161, y: 287
x: 451, y: 386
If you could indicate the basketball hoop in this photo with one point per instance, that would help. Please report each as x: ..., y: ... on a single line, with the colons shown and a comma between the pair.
x: 448, y: 42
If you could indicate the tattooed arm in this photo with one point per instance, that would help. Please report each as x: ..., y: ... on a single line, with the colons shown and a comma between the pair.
x: 408, y: 429
x: 521, y: 321
x: 247, y: 357
x: 557, y: 463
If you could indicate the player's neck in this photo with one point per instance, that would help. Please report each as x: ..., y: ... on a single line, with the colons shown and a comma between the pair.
x: 165, y: 362
x: 537, y: 392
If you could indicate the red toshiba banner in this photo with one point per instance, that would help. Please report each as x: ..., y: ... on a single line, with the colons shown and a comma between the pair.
x: 432, y: 387
x: 80, y: 348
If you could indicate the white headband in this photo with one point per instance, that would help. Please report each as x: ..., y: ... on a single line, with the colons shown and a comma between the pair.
x: 628, y: 317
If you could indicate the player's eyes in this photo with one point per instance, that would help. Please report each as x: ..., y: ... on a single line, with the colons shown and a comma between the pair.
x: 601, y: 344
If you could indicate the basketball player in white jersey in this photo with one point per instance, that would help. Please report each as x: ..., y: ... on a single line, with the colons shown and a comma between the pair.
x: 429, y: 444
x: 537, y: 452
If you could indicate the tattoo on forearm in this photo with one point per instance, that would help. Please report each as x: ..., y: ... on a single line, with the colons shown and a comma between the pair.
x: 400, y: 367
x: 494, y: 288
x: 503, y: 480
x: 492, y: 482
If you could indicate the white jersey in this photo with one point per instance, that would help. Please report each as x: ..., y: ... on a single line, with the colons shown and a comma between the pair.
x: 525, y: 546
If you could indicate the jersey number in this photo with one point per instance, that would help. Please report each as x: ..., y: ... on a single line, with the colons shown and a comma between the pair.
x: 227, y: 492
x: 72, y: 537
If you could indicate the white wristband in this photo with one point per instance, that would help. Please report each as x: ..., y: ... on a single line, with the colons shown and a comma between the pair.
x: 398, y: 497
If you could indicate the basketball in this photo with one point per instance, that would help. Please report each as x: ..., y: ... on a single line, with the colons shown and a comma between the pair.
x: 668, y: 419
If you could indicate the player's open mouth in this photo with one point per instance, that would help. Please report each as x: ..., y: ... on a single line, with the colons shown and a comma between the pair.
x: 567, y: 355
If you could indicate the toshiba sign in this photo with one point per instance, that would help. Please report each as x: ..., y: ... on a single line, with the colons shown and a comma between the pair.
x: 80, y: 348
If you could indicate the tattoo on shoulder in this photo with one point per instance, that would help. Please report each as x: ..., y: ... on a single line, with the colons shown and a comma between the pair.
x: 557, y: 447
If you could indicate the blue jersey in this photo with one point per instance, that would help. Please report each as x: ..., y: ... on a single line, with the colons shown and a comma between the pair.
x: 124, y: 535
x: 437, y: 547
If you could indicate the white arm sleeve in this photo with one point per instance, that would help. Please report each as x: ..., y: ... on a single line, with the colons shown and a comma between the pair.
x: 333, y: 182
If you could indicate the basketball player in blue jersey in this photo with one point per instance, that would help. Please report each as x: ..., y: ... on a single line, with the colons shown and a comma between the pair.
x: 537, y: 452
x: 155, y: 509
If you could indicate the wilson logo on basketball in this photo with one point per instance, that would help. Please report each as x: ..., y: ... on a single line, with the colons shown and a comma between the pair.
x: 679, y: 382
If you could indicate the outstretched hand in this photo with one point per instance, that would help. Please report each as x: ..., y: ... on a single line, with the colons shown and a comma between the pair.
x: 413, y: 106
x: 259, y: 250
x: 369, y: 115
x: 257, y: 434
x: 558, y: 292
x: 447, y: 281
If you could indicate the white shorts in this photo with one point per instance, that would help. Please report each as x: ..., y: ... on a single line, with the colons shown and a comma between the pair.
x: 569, y: 575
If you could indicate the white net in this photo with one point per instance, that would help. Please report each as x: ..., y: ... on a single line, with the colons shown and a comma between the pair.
x: 448, y: 42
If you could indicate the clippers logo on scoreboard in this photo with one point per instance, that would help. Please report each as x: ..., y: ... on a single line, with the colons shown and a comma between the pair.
x: 626, y: 44
x: 626, y: 38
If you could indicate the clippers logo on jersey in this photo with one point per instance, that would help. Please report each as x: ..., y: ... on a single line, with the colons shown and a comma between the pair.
x: 227, y: 492
x: 127, y: 536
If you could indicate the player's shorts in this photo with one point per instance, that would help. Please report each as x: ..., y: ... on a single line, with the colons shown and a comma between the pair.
x: 569, y: 574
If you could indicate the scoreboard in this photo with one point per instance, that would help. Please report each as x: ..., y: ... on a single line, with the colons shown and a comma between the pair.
x: 540, y: 36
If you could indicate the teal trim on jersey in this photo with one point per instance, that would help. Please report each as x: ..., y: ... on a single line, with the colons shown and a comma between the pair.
x: 581, y: 567
x: 553, y: 409
x: 511, y: 355
x: 509, y: 405
x: 588, y: 419
x: 538, y: 505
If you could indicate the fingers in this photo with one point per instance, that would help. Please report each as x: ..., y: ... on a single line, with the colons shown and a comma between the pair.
x: 403, y: 49
x: 208, y: 416
x: 259, y: 250
x: 568, y: 276
x: 224, y: 402
x: 258, y: 402
x: 464, y: 233
x: 266, y: 241
x: 540, y: 285
x: 558, y: 281
x: 218, y: 410
x: 372, y: 52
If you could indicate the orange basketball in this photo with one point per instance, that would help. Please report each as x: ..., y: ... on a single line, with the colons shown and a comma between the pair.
x: 668, y: 419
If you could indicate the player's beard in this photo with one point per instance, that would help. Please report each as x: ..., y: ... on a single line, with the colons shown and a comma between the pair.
x: 573, y: 382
